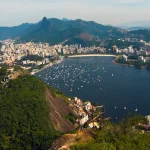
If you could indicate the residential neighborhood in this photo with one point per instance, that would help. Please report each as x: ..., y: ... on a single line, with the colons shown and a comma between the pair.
x: 88, y: 113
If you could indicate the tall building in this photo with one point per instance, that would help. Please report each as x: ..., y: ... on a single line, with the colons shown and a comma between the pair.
x: 130, y: 50
x: 80, y: 46
x: 114, y: 48
x: 125, y: 58
x: 135, y: 52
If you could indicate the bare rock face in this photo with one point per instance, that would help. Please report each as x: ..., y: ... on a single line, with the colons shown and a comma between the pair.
x: 58, y: 108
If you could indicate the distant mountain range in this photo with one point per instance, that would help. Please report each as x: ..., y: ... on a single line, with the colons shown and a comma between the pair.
x: 142, y: 23
x: 138, y: 28
x: 55, y: 31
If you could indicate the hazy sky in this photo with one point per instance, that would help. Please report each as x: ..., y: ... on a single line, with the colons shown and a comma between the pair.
x: 14, y: 12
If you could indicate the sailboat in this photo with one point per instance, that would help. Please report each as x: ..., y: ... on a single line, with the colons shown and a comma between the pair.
x: 136, y: 109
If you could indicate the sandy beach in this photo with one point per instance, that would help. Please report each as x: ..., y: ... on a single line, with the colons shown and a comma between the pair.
x: 89, y: 55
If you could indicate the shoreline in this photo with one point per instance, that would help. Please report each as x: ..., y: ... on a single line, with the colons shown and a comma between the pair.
x: 128, y: 65
x: 122, y: 64
x: 72, y: 56
x: 46, y: 66
x: 86, y: 55
x: 89, y: 55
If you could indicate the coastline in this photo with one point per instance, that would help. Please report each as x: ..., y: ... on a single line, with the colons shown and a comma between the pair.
x: 72, y: 56
x: 89, y: 55
x: 46, y: 66
x: 122, y: 64
x: 127, y: 65
x: 85, y: 55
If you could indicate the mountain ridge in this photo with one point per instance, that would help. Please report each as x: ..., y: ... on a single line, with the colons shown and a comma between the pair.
x: 49, y: 30
x: 55, y: 31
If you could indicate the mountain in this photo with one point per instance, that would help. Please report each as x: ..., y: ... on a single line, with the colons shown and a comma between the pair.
x: 55, y: 31
x: 142, y: 23
x: 0, y: 45
x: 67, y: 32
x: 138, y: 28
x: 141, y: 34
x: 13, y: 32
x: 65, y: 19
x: 32, y: 113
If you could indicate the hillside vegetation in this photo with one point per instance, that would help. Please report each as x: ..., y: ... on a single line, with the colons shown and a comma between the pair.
x: 122, y: 136
x: 25, y: 120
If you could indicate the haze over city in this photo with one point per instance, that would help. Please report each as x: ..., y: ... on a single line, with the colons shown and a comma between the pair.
x: 114, y: 12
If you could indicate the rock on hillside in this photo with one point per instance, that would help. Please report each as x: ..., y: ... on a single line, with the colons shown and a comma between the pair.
x: 58, y: 108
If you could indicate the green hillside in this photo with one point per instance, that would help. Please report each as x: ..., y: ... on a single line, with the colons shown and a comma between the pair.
x: 143, y: 34
x: 120, y: 136
x: 24, y: 119
x: 13, y: 32
x: 55, y: 31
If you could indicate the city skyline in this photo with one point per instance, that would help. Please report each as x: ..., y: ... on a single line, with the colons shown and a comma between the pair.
x: 113, y: 12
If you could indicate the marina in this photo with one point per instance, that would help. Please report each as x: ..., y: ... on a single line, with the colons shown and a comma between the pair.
x: 123, y: 90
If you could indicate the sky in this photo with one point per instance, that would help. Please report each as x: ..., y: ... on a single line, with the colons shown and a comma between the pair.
x: 112, y: 12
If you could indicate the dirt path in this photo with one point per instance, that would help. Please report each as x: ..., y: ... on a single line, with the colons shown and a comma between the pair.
x: 68, y: 140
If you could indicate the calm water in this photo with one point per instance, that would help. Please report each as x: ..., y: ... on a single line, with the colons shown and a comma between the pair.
x: 99, y: 80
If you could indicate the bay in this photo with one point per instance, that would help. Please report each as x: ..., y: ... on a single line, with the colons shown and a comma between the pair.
x: 123, y: 90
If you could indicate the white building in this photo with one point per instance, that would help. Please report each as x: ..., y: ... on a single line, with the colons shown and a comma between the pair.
x: 148, y: 119
x: 130, y: 50
x: 94, y: 125
x: 125, y: 58
x: 87, y: 106
x: 84, y: 119
x: 140, y: 58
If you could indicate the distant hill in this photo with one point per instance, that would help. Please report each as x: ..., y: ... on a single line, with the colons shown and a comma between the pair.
x: 142, y: 34
x: 0, y: 45
x: 55, y: 31
x: 141, y: 23
x: 138, y: 28
x: 65, y: 19
x: 13, y: 32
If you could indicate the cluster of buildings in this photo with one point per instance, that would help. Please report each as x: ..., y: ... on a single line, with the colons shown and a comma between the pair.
x: 11, y: 52
x: 139, y: 59
x: 77, y: 49
x: 144, y: 59
x: 142, y: 55
x: 85, y: 112
x: 130, y: 51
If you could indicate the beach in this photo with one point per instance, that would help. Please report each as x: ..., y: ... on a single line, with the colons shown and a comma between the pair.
x: 89, y: 55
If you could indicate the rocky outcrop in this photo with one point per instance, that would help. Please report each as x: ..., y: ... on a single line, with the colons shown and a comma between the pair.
x: 58, y: 108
